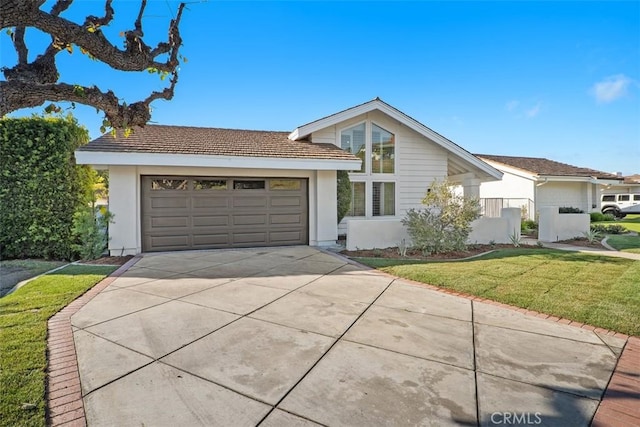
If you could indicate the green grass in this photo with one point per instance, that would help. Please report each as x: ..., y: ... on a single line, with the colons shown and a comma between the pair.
x: 23, y: 331
x: 15, y: 271
x: 597, y: 290
x: 625, y: 243
x: 630, y: 222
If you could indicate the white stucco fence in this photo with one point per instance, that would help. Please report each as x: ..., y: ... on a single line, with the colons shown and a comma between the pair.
x: 554, y: 226
x: 385, y: 233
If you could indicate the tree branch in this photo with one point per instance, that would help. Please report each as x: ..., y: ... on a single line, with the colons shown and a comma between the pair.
x: 95, y: 22
x: 19, y: 44
x: 60, y: 6
x: 23, y: 95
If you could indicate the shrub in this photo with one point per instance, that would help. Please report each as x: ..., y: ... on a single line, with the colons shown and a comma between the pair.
x: 344, y: 194
x: 569, y: 210
x: 90, y: 229
x: 600, y: 217
x: 445, y: 223
x: 528, y: 225
x: 41, y: 187
x: 608, y: 229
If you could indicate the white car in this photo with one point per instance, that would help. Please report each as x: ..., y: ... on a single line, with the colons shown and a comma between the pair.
x: 619, y: 205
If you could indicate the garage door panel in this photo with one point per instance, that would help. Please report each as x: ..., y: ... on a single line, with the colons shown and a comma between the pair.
x: 209, y: 221
x: 285, y: 236
x: 203, y: 202
x: 250, y: 202
x: 169, y: 202
x: 217, y: 213
x: 220, y: 239
x: 290, y: 201
x: 250, y: 219
x: 169, y: 221
x: 255, y: 238
x: 284, y: 219
x: 179, y: 241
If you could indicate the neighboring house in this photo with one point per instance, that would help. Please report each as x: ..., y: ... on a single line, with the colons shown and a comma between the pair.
x: 533, y: 183
x: 630, y: 185
x: 177, y: 187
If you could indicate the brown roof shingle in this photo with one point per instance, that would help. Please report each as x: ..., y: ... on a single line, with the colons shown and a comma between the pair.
x: 214, y: 141
x: 541, y: 166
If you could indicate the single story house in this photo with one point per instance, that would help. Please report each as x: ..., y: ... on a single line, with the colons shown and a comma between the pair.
x: 531, y: 183
x: 180, y: 187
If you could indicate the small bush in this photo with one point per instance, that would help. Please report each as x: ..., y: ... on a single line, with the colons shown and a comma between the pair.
x: 600, y: 217
x: 608, y: 228
x: 528, y: 225
x: 90, y: 228
x: 569, y: 210
x: 445, y: 223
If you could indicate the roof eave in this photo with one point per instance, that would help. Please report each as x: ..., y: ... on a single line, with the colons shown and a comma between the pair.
x: 377, y: 104
x: 110, y: 158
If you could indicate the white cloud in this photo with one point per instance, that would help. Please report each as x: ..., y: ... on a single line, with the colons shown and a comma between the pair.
x: 611, y: 88
x: 533, y: 111
x: 512, y: 105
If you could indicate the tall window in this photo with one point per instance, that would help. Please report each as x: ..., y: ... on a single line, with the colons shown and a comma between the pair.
x: 382, y: 150
x: 384, y: 198
x: 358, y: 199
x: 353, y: 141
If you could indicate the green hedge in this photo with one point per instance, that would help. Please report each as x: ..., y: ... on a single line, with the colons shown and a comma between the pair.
x: 41, y: 187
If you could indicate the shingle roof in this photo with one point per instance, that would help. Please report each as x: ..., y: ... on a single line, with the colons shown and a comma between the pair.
x: 214, y: 141
x: 541, y: 166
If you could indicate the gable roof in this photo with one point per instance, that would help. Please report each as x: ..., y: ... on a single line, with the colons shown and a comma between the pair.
x: 214, y: 141
x: 545, y: 167
x: 304, y: 131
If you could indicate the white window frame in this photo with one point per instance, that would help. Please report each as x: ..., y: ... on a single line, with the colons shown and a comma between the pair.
x: 367, y: 176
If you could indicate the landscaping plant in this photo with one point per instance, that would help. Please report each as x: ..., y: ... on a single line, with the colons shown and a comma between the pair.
x: 41, y: 187
x: 344, y: 193
x: 608, y: 228
x: 445, y: 222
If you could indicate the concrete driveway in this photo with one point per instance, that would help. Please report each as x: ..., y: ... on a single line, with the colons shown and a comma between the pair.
x: 295, y: 336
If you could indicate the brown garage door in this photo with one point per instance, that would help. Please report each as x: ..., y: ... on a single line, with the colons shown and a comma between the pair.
x: 202, y: 213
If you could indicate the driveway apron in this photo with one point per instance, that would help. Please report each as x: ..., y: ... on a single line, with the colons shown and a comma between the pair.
x: 297, y: 336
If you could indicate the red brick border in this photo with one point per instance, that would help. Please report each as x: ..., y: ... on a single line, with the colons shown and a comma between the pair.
x: 620, y: 405
x: 63, y: 392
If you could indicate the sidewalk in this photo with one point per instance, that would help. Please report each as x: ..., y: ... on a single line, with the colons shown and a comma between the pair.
x: 592, y: 251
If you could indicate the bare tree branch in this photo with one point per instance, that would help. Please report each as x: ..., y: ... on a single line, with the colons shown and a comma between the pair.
x: 60, y: 6
x: 29, y: 84
x: 95, y: 22
x: 19, y: 44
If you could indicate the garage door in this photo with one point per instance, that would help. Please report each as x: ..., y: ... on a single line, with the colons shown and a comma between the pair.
x: 181, y: 213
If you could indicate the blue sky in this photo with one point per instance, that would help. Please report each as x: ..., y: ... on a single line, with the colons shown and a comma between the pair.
x: 559, y: 80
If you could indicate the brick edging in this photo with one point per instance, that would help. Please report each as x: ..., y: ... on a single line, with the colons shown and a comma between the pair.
x: 620, y: 405
x: 62, y: 388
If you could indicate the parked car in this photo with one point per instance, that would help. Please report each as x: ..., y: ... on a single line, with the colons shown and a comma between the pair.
x: 619, y: 205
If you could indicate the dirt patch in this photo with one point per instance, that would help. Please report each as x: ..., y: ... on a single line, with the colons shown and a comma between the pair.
x: 472, y: 250
x: 393, y: 253
x: 109, y: 260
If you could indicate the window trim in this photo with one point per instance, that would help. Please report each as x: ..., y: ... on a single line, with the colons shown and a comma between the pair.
x: 366, y: 160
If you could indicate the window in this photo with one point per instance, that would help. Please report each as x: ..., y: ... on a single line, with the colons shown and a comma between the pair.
x: 623, y: 198
x: 210, y: 184
x: 384, y: 198
x: 352, y: 140
x: 284, y: 184
x: 609, y: 198
x: 636, y: 197
x: 357, y: 199
x: 382, y: 150
x: 248, y: 185
x: 169, y: 184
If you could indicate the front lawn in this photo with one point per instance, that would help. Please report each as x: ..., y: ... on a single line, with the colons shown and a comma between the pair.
x: 23, y: 332
x: 630, y: 222
x: 625, y: 243
x: 596, y: 290
x: 13, y: 272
